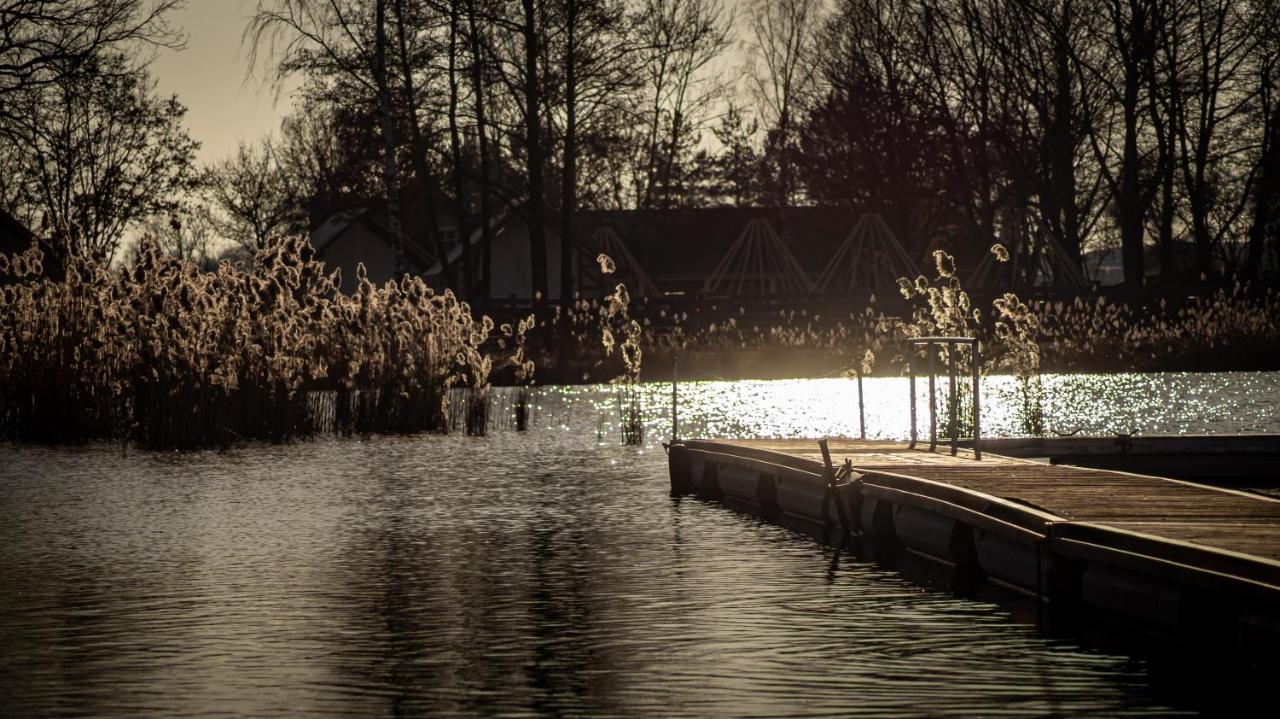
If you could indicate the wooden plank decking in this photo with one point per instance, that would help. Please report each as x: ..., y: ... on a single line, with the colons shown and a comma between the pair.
x: 1218, y: 518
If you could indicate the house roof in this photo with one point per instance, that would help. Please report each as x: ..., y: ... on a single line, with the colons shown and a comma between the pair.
x: 332, y: 228
x: 686, y: 242
x: 680, y: 248
x: 339, y: 223
x: 14, y: 236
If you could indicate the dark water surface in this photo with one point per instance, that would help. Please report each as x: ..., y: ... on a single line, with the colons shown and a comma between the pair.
x: 537, y: 573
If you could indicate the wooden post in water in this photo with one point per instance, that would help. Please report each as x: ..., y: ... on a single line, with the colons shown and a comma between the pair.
x: 862, y: 415
x: 675, y: 390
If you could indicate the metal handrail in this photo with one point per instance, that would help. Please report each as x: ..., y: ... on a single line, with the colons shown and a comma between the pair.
x: 953, y: 426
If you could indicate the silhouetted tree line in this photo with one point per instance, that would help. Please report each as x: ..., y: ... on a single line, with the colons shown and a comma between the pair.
x: 1142, y: 124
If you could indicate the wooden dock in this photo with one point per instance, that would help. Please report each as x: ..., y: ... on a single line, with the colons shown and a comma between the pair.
x: 1177, y: 559
x: 1241, y: 460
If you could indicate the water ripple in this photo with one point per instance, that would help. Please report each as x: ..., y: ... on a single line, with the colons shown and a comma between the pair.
x: 544, y: 573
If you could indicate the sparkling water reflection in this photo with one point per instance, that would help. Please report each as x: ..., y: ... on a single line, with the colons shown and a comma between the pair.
x: 1167, y: 403
x: 535, y: 573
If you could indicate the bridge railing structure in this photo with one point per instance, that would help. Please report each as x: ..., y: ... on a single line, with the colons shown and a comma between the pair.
x: 931, y: 346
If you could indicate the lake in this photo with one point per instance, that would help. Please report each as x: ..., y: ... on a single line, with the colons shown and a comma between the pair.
x: 548, y: 572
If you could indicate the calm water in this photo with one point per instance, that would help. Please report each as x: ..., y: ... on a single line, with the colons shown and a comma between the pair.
x: 539, y: 573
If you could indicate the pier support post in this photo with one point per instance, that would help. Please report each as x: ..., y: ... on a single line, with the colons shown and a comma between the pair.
x: 681, y: 469
x: 675, y: 391
x: 862, y: 414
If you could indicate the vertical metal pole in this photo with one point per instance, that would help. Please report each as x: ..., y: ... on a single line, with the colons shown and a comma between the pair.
x: 862, y: 415
x: 977, y: 405
x: 675, y: 391
x: 933, y: 400
x: 953, y: 426
x: 911, y: 376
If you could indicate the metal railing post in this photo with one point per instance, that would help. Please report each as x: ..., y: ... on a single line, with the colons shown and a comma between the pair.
x: 911, y: 377
x: 953, y: 427
x: 953, y: 345
x: 977, y: 405
x: 862, y: 414
x: 933, y: 400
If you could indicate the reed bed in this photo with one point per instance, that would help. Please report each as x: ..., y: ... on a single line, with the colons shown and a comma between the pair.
x: 170, y: 357
x: 1083, y: 333
x: 167, y: 356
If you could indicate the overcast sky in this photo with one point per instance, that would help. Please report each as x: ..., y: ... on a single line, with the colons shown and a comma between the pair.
x: 209, y: 77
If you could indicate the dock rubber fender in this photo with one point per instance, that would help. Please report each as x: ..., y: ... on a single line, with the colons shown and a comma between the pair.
x: 1138, y: 599
x: 767, y: 496
x: 680, y: 463
x: 1208, y: 620
x: 1258, y: 633
x: 739, y: 483
x: 707, y: 482
x: 867, y: 513
x: 801, y: 496
x: 924, y: 531
x: 969, y: 576
x: 888, y: 547
x: 1012, y: 560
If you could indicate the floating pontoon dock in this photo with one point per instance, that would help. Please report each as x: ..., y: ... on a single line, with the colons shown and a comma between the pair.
x: 1233, y: 459
x: 1196, y: 564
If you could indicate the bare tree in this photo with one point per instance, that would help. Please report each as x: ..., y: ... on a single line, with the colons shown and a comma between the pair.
x: 254, y: 199
x: 968, y: 95
x: 98, y: 153
x: 339, y: 37
x: 868, y: 139
x: 784, y: 71
x: 188, y: 233
x: 476, y: 74
x: 1265, y: 64
x: 311, y: 153
x: 407, y: 58
x: 1037, y: 42
x: 1117, y: 55
x: 1209, y: 101
x: 679, y: 41
x: 44, y: 39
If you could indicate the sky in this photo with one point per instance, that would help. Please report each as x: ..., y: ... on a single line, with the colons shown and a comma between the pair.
x: 225, y: 106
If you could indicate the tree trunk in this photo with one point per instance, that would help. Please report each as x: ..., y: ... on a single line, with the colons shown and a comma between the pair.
x: 1266, y: 196
x: 1130, y: 203
x: 390, y: 173
x: 482, y: 138
x: 455, y: 150
x: 425, y: 176
x: 569, y: 179
x: 533, y: 154
x: 1064, y: 143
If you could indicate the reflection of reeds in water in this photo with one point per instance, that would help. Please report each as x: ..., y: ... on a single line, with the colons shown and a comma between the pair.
x: 511, y: 408
x: 523, y: 409
x: 477, y: 411
x: 630, y: 418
